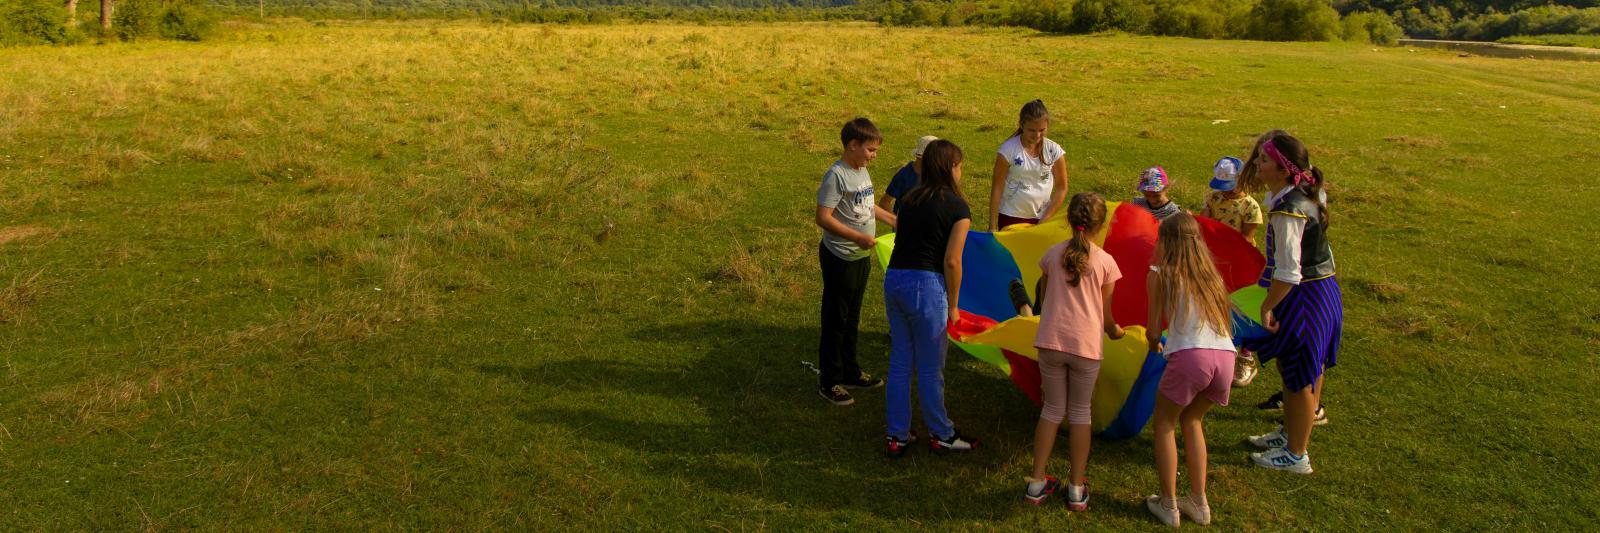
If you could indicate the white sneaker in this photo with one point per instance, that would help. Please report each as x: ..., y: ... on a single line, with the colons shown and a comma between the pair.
x: 1167, y: 515
x: 1276, y: 439
x: 1199, y: 513
x: 1281, y: 459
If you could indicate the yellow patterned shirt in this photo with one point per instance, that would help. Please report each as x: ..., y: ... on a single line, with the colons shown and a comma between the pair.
x: 1235, y: 212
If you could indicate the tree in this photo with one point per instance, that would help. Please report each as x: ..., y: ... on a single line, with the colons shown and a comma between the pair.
x: 105, y: 16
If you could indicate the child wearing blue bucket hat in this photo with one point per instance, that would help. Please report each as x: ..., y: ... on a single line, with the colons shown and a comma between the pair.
x: 1230, y: 202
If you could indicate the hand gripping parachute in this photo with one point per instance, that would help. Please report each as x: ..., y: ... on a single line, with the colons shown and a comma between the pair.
x: 1124, y: 395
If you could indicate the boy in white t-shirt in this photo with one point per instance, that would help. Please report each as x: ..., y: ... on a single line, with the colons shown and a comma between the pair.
x: 846, y: 213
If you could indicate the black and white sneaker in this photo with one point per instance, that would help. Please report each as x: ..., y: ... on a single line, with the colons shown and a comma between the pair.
x: 956, y: 442
x: 864, y: 381
x: 1275, y: 403
x: 896, y: 448
x: 836, y: 395
x: 1320, y: 419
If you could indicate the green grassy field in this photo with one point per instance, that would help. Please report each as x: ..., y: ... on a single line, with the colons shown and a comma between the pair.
x: 1583, y: 41
x: 465, y: 276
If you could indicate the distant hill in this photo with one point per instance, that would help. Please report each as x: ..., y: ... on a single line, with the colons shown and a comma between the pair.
x: 1434, y: 9
x: 433, y: 6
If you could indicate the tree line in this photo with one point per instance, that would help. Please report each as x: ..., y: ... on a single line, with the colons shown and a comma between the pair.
x: 62, y: 22
x: 1377, y: 21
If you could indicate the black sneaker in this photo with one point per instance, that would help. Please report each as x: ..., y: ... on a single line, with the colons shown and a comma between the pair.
x: 1275, y: 403
x: 1019, y: 296
x: 837, y: 395
x: 864, y: 381
x: 955, y: 443
x: 896, y: 448
x: 1321, y: 418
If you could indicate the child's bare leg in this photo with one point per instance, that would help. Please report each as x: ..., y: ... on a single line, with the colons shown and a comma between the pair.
x: 1316, y: 395
x: 1044, y: 440
x: 1165, y: 442
x: 1298, y: 409
x: 1078, y: 436
x: 1194, y: 446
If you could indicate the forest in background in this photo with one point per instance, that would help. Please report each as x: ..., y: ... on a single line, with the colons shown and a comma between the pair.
x: 1569, y: 22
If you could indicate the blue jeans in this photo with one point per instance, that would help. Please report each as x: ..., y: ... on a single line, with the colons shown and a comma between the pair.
x: 918, y: 308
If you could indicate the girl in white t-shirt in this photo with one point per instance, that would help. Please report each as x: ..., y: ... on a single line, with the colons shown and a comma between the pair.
x: 1030, y: 173
x: 1186, y: 292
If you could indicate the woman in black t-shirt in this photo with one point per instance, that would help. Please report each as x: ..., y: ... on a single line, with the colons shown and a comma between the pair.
x: 920, y: 293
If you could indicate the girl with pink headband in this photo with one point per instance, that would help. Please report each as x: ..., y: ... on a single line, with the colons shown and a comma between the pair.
x: 1304, y: 309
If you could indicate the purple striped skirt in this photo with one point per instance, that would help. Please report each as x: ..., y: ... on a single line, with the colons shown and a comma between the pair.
x: 1310, y: 321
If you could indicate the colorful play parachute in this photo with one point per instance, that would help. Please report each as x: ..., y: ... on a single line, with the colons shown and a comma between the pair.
x: 1124, y: 396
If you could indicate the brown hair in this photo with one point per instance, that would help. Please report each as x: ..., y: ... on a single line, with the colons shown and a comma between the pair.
x: 1186, y: 273
x: 1086, y: 213
x: 939, y: 161
x: 859, y: 129
x: 1296, y: 153
x: 1031, y: 111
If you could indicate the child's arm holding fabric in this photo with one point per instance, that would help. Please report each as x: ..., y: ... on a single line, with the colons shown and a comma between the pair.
x: 952, y: 265
x: 1112, y: 329
x: 1158, y: 305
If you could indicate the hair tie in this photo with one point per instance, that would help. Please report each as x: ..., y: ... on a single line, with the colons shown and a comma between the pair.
x: 1079, y: 228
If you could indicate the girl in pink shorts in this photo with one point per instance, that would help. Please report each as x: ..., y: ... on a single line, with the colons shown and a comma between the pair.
x: 1078, y: 278
x: 1187, y: 294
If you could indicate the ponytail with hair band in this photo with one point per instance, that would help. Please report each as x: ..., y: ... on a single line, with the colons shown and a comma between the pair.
x: 1085, y: 210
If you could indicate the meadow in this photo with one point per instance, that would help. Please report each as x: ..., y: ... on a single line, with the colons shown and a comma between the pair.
x: 467, y: 275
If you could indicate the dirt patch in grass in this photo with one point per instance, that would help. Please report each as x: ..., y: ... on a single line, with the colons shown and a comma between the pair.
x: 17, y: 233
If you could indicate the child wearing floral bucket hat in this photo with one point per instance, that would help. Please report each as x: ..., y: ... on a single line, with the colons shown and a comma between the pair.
x: 1153, y: 193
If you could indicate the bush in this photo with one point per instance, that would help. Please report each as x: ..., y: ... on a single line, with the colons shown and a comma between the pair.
x: 1375, y: 28
x: 33, y: 22
x: 185, y: 21
x: 1132, y: 16
x: 1294, y: 20
x: 1189, y: 19
x: 1435, y: 23
x: 132, y: 20
x: 1043, y: 15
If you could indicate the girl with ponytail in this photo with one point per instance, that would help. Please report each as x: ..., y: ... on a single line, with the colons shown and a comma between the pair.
x: 1030, y: 173
x: 1076, y: 314
x: 1304, y: 309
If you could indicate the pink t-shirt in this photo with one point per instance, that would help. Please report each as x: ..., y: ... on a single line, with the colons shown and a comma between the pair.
x: 1071, y: 320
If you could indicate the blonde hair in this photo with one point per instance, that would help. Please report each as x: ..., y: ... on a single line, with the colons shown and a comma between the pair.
x: 1185, y: 271
x: 1086, y: 213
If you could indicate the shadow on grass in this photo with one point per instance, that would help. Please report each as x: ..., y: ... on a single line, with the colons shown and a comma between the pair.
x: 755, y: 427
